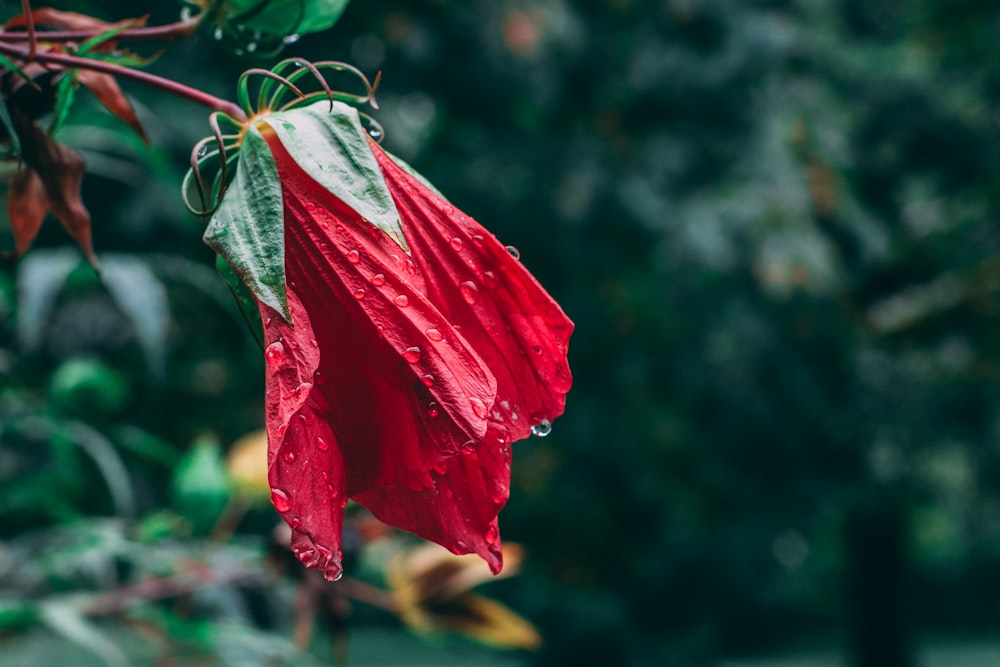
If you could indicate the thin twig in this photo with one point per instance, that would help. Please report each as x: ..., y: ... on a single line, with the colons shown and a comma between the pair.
x: 179, y: 30
x: 229, y: 108
x: 29, y: 22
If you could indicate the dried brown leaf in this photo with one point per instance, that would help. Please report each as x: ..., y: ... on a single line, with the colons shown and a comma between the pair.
x: 106, y: 90
x: 27, y: 205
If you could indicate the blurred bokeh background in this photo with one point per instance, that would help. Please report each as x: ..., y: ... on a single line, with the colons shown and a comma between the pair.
x: 775, y: 224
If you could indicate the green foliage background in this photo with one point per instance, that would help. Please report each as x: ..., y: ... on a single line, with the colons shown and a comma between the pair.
x: 775, y: 224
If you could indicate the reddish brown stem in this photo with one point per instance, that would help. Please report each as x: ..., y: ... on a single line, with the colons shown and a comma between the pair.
x: 178, y: 30
x: 29, y: 21
x: 225, y: 106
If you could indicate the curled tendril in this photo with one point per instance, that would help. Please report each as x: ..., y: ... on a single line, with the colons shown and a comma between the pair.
x: 279, y: 89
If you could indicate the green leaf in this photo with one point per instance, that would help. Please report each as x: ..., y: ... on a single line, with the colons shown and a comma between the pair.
x: 201, y: 484
x: 244, y: 299
x: 65, y: 94
x: 66, y: 620
x: 285, y: 17
x: 248, y: 228
x: 333, y: 148
x: 15, y: 142
x: 40, y: 278
x: 143, y: 299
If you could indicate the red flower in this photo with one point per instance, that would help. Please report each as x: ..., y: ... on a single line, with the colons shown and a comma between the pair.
x: 402, y: 378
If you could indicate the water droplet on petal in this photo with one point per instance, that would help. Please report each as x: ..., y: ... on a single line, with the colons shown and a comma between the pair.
x: 469, y: 291
x: 359, y: 294
x: 428, y: 380
x: 274, y: 355
x: 479, y: 407
x: 289, y: 456
x: 281, y: 431
x: 321, y: 444
x: 456, y: 244
x: 489, y: 278
x: 310, y: 206
x: 449, y: 209
x: 378, y: 280
x: 333, y: 573
x: 434, y: 334
x: 433, y: 410
x: 410, y: 266
x: 477, y: 239
x: 354, y: 257
x: 331, y: 491
x: 402, y: 301
x: 314, y: 343
x: 375, y: 133
x: 542, y: 428
x: 280, y: 500
x: 412, y: 354
x: 514, y: 252
x: 469, y: 446
x: 492, y: 534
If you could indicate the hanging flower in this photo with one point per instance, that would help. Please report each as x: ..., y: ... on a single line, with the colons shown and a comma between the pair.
x: 406, y: 348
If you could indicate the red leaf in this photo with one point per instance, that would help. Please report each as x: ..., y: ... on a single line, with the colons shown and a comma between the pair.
x: 61, y: 173
x: 27, y: 205
x: 106, y: 90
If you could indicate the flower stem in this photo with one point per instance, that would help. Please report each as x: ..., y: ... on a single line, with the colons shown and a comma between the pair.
x: 225, y: 106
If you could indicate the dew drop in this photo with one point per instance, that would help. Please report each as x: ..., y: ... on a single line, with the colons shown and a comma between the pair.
x: 354, y: 257
x: 281, y: 431
x: 291, y: 39
x: 410, y: 266
x: 314, y: 343
x: 542, y: 428
x: 434, y: 335
x: 202, y: 151
x: 289, y: 456
x: 321, y: 444
x: 412, y: 354
x: 331, y: 491
x: 402, y: 301
x: 428, y: 380
x: 378, y: 280
x: 449, y: 210
x: 492, y: 534
x: 333, y: 573
x: 477, y: 239
x: 274, y: 355
x: 359, y: 294
x: 479, y: 407
x: 433, y: 410
x: 489, y: 278
x: 375, y: 133
x: 310, y: 206
x: 469, y: 446
x: 514, y: 252
x: 456, y: 244
x: 469, y: 291
x: 280, y: 500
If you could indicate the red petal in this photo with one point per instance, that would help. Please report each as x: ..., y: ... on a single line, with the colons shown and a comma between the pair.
x: 402, y: 389
x: 499, y: 307
x: 305, y: 466
x: 106, y: 90
x: 27, y: 205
